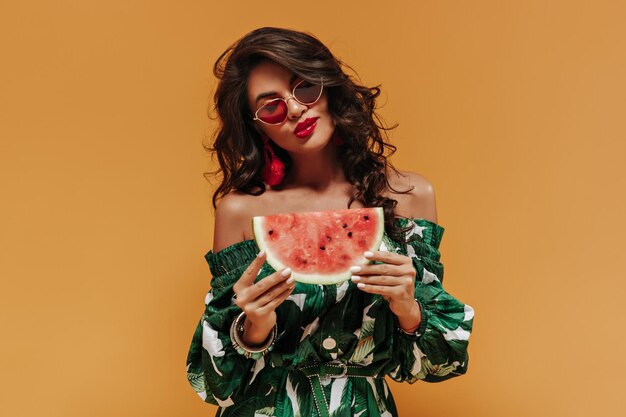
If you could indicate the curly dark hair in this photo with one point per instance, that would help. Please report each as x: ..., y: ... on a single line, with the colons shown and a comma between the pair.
x: 239, y: 147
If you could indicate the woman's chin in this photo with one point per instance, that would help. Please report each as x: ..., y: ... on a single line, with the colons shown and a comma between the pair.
x: 314, y: 142
x: 315, y: 145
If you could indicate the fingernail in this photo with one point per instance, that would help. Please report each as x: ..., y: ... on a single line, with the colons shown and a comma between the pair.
x: 360, y: 285
x: 291, y: 280
x: 356, y: 278
x: 286, y: 272
x: 261, y: 253
x: 355, y: 268
x: 368, y: 254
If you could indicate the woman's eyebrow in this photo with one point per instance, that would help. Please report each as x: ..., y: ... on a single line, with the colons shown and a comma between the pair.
x: 273, y: 93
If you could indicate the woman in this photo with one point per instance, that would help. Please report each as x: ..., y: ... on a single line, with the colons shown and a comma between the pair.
x: 298, y: 134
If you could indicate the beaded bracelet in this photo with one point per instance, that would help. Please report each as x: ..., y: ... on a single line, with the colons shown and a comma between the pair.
x: 236, y: 332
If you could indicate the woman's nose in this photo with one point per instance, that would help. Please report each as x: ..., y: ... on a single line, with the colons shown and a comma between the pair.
x: 295, y: 109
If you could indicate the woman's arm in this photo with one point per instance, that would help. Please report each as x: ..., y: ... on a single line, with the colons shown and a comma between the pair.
x: 420, y: 201
x: 231, y: 220
x: 216, y: 370
x: 440, y: 324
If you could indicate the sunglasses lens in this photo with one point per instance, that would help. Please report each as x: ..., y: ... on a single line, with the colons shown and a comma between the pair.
x: 273, y: 112
x: 307, y: 93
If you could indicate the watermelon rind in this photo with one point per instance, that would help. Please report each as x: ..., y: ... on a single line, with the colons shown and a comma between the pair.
x: 257, y: 228
x: 321, y: 279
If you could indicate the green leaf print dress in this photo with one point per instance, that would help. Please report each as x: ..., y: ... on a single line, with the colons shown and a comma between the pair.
x: 335, y: 344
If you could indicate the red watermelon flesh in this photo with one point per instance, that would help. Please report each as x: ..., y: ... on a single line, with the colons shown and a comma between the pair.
x: 320, y: 247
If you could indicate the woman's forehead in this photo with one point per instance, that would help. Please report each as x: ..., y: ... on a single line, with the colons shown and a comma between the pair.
x: 269, y: 77
x: 269, y: 72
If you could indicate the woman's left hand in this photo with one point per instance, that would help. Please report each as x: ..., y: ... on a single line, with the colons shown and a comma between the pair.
x: 394, y: 280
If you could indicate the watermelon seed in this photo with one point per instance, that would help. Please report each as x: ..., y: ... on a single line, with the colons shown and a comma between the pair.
x: 345, y: 225
x: 322, y: 248
x: 271, y: 232
x: 349, y: 234
x: 366, y: 217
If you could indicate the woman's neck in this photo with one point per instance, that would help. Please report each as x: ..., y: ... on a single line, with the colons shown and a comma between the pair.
x: 316, y: 171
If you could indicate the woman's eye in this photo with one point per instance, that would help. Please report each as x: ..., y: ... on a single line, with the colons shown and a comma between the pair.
x: 271, y: 106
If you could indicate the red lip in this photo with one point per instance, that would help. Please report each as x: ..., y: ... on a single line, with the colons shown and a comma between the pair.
x: 303, y: 125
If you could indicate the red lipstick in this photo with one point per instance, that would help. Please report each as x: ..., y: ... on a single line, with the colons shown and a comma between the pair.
x: 305, y: 128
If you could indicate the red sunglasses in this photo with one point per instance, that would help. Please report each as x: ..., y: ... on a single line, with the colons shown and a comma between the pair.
x: 275, y: 111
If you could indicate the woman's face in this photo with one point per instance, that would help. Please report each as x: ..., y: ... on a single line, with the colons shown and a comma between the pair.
x: 270, y: 77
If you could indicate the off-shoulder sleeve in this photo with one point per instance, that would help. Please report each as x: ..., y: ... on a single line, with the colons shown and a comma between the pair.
x: 439, y: 350
x: 215, y: 370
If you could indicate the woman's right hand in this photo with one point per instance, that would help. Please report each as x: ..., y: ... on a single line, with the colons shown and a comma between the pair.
x: 260, y: 300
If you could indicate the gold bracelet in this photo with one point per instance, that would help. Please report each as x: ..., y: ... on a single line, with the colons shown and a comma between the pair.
x: 421, y: 327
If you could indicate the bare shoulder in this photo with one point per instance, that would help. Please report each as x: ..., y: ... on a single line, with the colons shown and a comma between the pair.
x: 419, y: 202
x: 232, y: 215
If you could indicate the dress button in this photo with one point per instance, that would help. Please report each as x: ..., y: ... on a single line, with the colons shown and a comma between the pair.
x: 329, y: 343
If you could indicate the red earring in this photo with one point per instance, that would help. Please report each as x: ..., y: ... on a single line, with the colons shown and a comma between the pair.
x: 274, y: 169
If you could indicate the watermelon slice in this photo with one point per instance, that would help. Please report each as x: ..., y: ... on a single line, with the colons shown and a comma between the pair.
x: 320, y: 246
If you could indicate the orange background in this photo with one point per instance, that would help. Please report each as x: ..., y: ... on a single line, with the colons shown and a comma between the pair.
x: 513, y: 109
